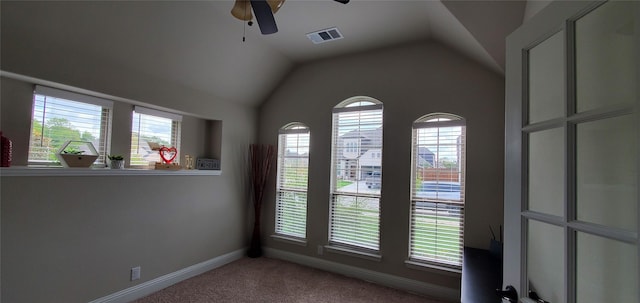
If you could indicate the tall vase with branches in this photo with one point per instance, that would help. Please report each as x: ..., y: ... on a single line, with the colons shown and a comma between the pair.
x: 261, y: 159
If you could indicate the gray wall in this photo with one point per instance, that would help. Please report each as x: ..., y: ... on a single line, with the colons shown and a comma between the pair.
x: 411, y: 80
x: 74, y: 239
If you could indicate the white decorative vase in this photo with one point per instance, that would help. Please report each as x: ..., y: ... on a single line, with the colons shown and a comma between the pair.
x: 117, y: 164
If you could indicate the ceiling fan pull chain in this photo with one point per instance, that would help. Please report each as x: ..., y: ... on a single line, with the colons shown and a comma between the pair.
x: 244, y: 24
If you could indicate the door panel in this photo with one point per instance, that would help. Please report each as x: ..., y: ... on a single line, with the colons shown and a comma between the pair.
x: 545, y: 265
x: 605, y: 57
x: 606, y: 172
x: 606, y: 270
x: 571, y: 157
x: 546, y: 172
x: 546, y: 74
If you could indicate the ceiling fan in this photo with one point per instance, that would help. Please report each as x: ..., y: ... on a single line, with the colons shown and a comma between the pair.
x: 264, y: 10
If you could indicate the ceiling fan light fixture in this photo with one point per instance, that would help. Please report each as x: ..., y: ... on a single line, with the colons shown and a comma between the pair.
x: 275, y: 5
x: 242, y: 10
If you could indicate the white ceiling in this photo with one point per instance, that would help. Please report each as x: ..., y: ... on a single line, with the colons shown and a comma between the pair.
x: 199, y: 44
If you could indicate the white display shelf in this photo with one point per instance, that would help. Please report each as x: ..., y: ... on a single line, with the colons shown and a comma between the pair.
x: 29, y: 171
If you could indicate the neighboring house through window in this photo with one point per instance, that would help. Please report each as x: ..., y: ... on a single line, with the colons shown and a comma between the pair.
x: 291, y: 185
x: 437, y: 191
x: 151, y: 129
x: 59, y: 116
x: 356, y: 175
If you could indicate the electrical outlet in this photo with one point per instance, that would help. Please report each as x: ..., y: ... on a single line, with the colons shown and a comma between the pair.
x: 320, y: 249
x: 135, y: 273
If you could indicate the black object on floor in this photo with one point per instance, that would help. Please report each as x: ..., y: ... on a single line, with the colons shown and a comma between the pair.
x: 481, y: 276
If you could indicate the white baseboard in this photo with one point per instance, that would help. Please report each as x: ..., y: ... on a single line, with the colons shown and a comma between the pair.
x: 418, y: 287
x: 149, y: 287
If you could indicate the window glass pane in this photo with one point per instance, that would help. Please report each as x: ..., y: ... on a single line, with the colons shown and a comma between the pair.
x: 546, y: 171
x: 546, y: 79
x: 357, y: 176
x: 355, y: 221
x: 438, y: 153
x: 437, y: 232
x: 607, y: 172
x: 545, y: 261
x: 359, y: 103
x: 291, y: 213
x: 148, y: 134
x: 606, y: 57
x: 56, y: 121
x: 358, y: 167
x: 606, y: 270
x: 437, y: 208
x: 293, y: 172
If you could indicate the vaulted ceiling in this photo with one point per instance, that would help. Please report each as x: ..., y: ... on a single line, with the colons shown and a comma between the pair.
x: 200, y: 45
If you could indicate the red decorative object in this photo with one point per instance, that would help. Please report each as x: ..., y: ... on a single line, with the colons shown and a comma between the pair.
x: 168, y: 154
x: 6, y: 146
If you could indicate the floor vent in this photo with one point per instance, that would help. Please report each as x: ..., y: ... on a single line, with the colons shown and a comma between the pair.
x: 325, y: 35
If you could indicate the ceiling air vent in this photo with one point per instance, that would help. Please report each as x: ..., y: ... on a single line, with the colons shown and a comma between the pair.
x: 325, y: 35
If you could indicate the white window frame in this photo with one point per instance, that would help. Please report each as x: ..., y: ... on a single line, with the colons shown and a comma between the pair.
x: 104, y: 136
x: 346, y: 224
x: 445, y: 207
x: 176, y: 121
x: 291, y: 216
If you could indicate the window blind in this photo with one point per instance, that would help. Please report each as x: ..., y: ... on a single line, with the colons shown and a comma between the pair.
x: 151, y: 129
x: 437, y: 191
x: 59, y: 116
x: 357, y: 175
x: 292, y: 181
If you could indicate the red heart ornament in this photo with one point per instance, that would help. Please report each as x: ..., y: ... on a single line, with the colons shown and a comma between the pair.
x: 168, y: 154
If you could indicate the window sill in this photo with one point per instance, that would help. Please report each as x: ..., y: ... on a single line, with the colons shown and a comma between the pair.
x: 353, y: 252
x: 453, y: 272
x: 290, y: 240
x: 28, y: 171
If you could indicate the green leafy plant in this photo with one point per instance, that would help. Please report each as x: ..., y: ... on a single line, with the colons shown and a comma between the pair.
x: 115, y: 157
x: 72, y: 151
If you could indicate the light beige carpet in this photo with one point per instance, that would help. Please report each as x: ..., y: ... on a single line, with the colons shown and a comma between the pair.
x: 271, y: 280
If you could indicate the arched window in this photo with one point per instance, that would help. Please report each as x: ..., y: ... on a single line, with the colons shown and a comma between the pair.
x: 437, y: 190
x: 356, y: 176
x: 291, y: 186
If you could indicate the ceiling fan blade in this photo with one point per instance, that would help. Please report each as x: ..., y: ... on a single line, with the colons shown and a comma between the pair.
x: 342, y: 1
x: 242, y: 10
x: 264, y: 16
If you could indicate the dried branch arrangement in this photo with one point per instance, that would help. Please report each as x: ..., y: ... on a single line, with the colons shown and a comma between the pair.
x: 261, y: 159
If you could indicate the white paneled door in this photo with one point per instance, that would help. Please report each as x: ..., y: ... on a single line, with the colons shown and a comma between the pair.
x: 572, y: 155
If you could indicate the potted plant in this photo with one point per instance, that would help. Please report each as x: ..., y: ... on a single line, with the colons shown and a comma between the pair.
x: 77, y: 154
x: 117, y: 161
